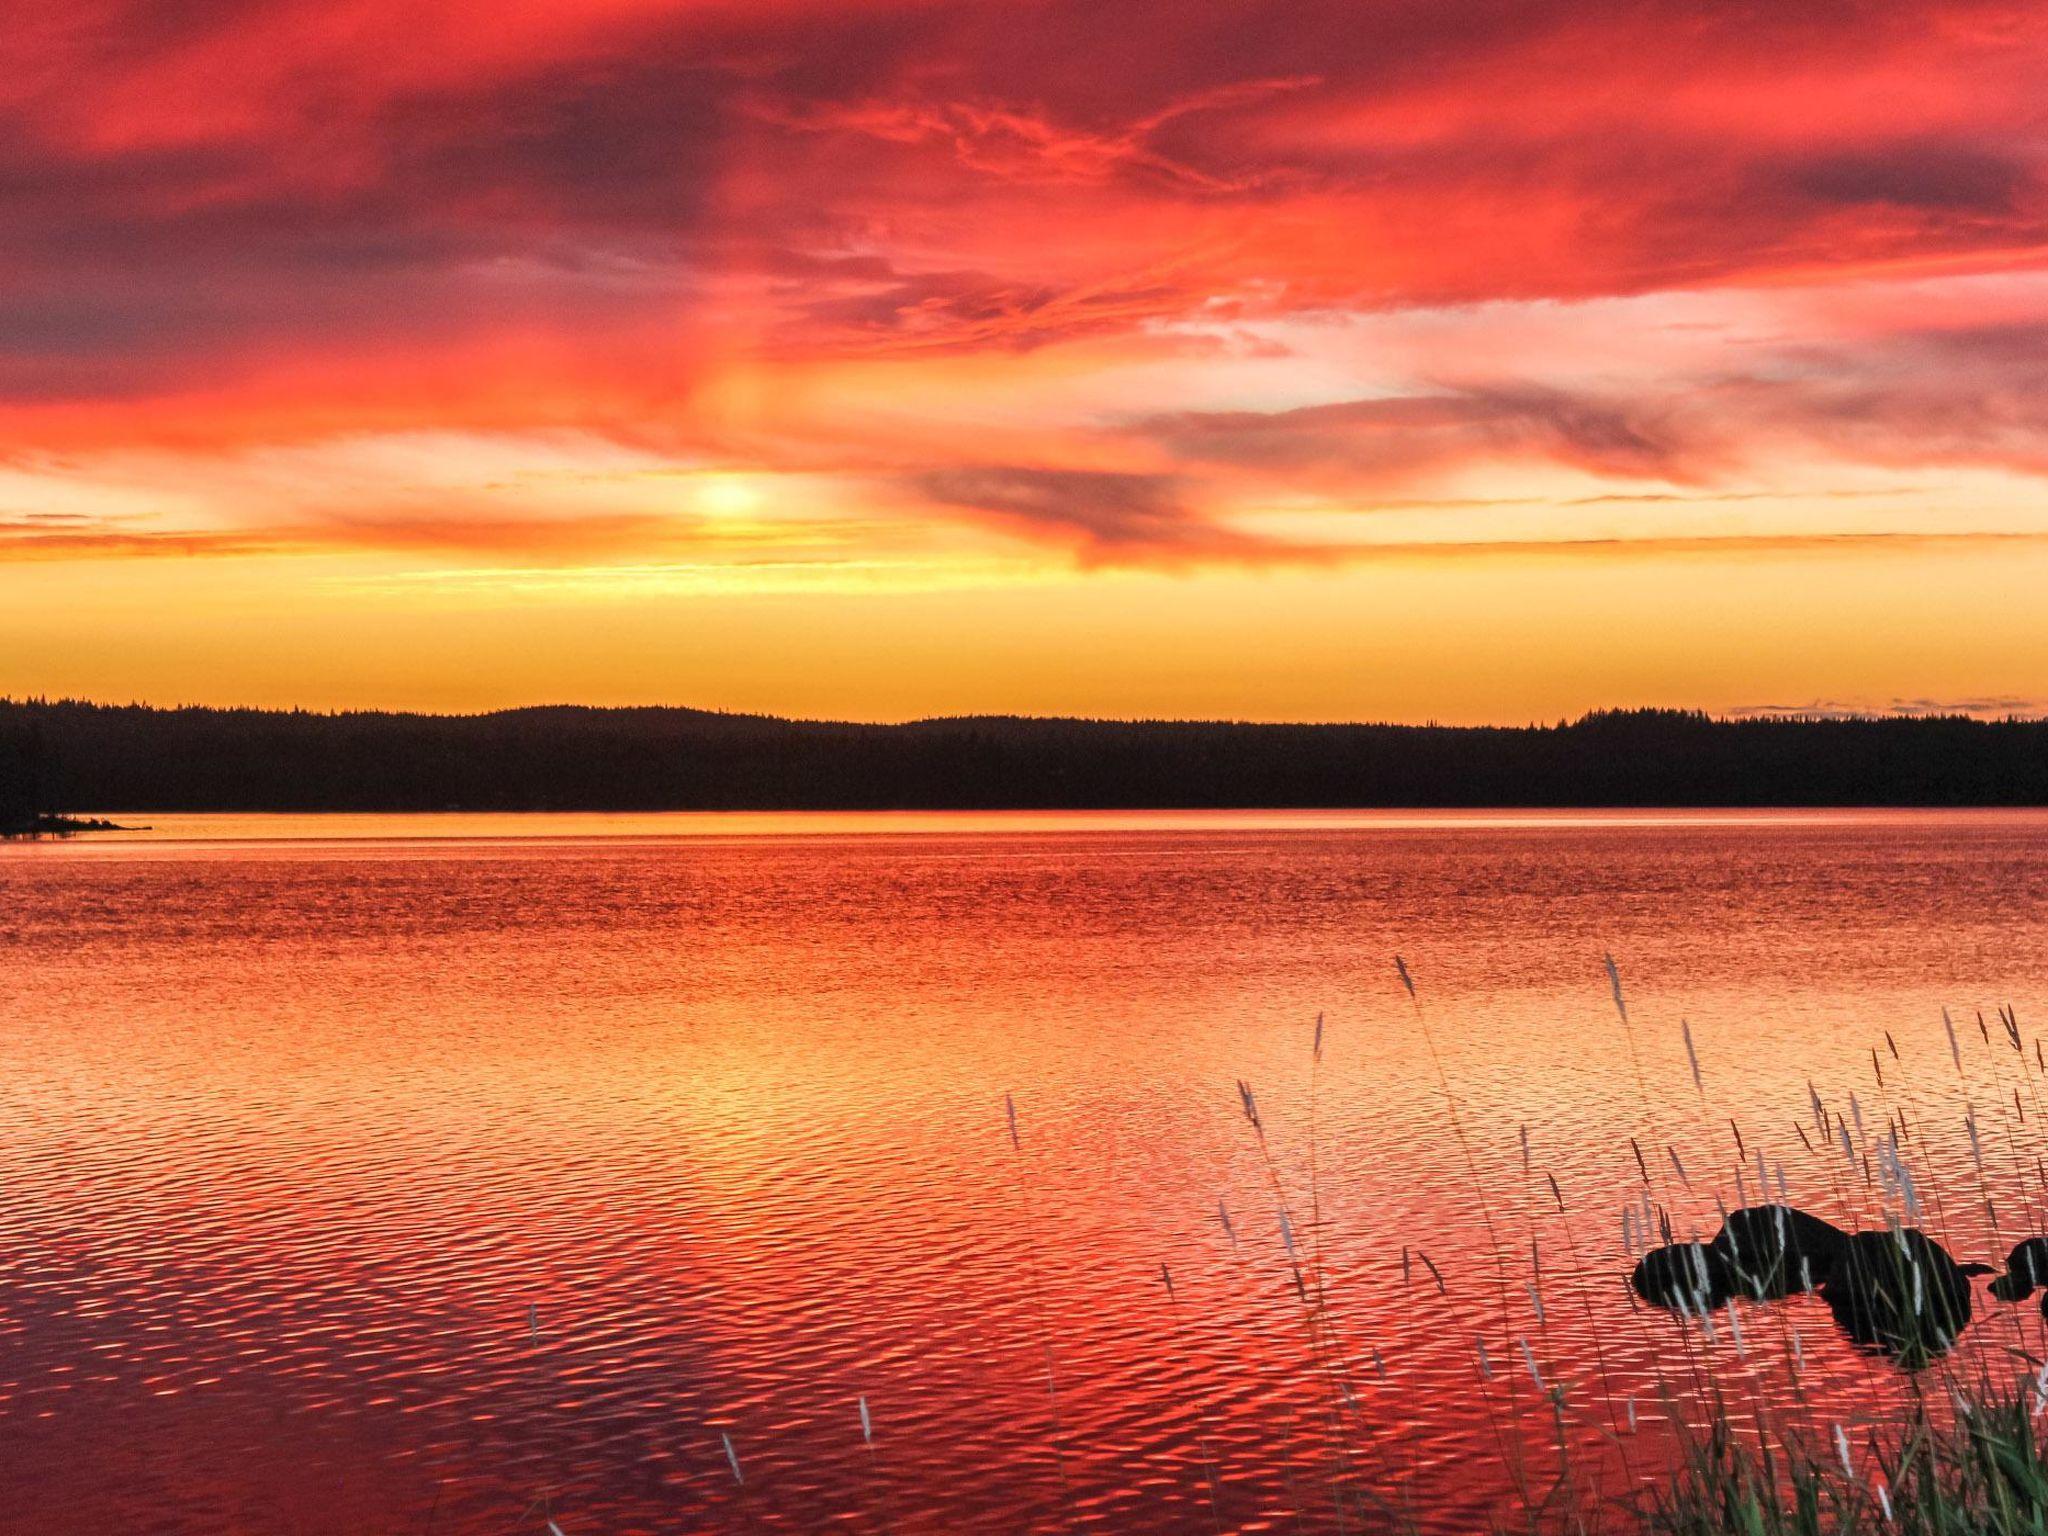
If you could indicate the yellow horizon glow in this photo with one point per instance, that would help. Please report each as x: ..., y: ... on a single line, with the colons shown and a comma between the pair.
x: 1483, y: 638
x: 784, y: 358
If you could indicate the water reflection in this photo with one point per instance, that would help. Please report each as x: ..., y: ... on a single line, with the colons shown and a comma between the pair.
x: 1901, y: 1292
x: 388, y: 1183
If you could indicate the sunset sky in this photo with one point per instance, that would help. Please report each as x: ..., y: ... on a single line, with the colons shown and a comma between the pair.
x: 1435, y: 359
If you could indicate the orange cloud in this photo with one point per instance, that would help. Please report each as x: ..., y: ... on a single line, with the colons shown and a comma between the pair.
x: 1146, y: 285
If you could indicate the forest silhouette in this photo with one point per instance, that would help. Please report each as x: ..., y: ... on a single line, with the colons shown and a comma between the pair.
x: 64, y: 756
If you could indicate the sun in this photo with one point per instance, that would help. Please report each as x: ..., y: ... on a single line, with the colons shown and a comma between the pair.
x: 726, y: 495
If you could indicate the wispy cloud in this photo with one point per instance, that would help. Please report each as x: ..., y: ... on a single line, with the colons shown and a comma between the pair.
x: 1083, y: 284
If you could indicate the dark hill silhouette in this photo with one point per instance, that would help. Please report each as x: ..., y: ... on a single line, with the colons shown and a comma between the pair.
x: 79, y: 757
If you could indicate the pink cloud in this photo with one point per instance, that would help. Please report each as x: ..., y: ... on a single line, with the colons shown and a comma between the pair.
x: 265, y: 223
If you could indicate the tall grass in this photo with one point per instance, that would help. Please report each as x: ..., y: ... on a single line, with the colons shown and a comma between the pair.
x: 1740, y: 1433
x: 1979, y: 1473
x: 1736, y: 1447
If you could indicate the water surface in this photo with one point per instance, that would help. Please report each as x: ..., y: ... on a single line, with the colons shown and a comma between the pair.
x: 459, y: 1174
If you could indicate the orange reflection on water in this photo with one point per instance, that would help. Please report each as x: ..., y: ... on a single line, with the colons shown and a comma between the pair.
x: 358, y: 1177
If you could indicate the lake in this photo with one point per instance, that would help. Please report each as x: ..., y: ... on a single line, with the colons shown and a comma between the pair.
x: 463, y: 1174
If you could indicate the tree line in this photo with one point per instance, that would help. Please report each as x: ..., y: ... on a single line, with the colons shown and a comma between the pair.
x: 76, y: 757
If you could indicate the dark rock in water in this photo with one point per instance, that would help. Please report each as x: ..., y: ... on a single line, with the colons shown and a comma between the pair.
x: 1899, y: 1291
x: 1691, y: 1276
x: 2026, y: 1270
x: 1761, y: 1251
x: 1774, y: 1250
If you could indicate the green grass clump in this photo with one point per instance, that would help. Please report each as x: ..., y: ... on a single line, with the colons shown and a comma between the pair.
x: 1979, y: 1473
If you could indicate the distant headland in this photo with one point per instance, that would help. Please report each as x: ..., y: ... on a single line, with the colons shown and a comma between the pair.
x: 69, y: 759
x: 44, y: 824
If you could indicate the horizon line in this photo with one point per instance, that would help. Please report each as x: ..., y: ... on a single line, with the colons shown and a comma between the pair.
x: 1980, y: 712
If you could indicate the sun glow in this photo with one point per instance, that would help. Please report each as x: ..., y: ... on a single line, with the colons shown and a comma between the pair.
x: 728, y: 496
x: 842, y: 352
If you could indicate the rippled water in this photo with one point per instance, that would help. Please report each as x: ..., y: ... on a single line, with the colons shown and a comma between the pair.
x: 459, y: 1174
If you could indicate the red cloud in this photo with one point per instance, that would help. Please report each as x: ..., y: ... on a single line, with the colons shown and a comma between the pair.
x: 264, y: 221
